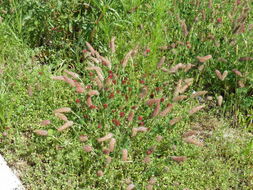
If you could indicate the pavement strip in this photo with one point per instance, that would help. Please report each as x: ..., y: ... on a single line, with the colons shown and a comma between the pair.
x: 8, y: 180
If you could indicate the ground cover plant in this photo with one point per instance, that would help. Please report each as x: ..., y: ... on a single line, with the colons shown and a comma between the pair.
x: 133, y: 94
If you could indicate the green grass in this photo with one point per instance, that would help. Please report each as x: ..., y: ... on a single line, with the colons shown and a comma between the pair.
x: 58, y: 161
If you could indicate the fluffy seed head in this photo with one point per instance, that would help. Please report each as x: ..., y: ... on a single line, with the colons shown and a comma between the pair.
x: 179, y: 158
x: 142, y: 129
x: 79, y: 88
x: 98, y: 83
x: 134, y: 50
x: 45, y: 122
x: 130, y: 116
x: 112, y: 44
x: 87, y: 148
x: 65, y: 126
x: 221, y: 76
x: 61, y: 116
x: 184, y: 88
x: 106, y: 62
x: 184, y: 28
x: 188, y: 67
x: 241, y: 84
x: 220, y: 99
x: 164, y: 69
x: 246, y: 59
x: 153, y: 101
x: 74, y: 75
x: 164, y: 47
x: 149, y: 187
x: 124, y: 155
x: 100, y: 173
x: 93, y: 93
x: 156, y: 110
x: 4, y: 134
x: 95, y: 60
x: 177, y: 67
x: 189, y: 81
x: 83, y: 138
x: 130, y: 187
x: 179, y: 98
x: 58, y: 78
x: 91, y: 49
x: 41, y: 132
x: 201, y: 67
x: 150, y: 150
x: 105, y: 138
x: 62, y: 110
x: 128, y: 181
x: 174, y: 120
x: 108, y: 160
x: 144, y: 92
x: 30, y: 91
x: 134, y: 132
x: 126, y: 59
x: 196, y: 109
x: 146, y: 160
x: 204, y: 59
x: 159, y: 138
x: 98, y: 71
x: 106, y: 151
x: 152, y: 180
x: 191, y: 140
x: 97, y: 55
x: 89, y: 101
x: 238, y: 73
x: 178, y: 87
x: 138, y: 129
x: 225, y: 73
x: 112, y: 144
x: 70, y: 81
x: 108, y: 82
x: 199, y: 93
x: 161, y: 62
x: 189, y: 133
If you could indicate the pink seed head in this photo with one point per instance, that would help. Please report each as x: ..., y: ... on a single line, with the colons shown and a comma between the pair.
x: 123, y: 81
x: 87, y: 148
x: 219, y: 20
x: 100, y: 173
x: 93, y: 107
x: 122, y: 114
x: 110, y: 76
x: 45, y: 122
x: 116, y: 122
x: 111, y: 95
x: 141, y: 123
x: 83, y: 138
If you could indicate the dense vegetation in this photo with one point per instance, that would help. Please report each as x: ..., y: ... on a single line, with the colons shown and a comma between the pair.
x: 168, y: 83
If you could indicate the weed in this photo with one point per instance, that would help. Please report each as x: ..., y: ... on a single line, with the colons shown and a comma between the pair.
x: 113, y: 96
